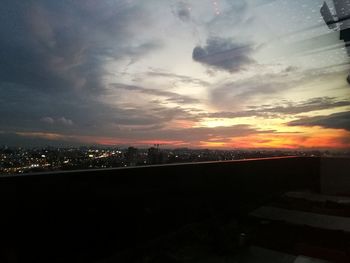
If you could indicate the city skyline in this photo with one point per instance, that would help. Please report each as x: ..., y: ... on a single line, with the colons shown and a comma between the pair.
x: 47, y: 159
x: 247, y: 74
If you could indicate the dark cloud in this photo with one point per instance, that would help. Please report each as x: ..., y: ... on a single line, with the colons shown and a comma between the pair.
x: 314, y: 104
x: 286, y: 108
x: 56, y: 45
x: 335, y: 121
x: 28, y: 110
x: 187, y: 136
x: 151, y: 117
x: 53, y: 56
x: 85, y: 119
x: 59, y: 121
x: 168, y: 95
x: 17, y: 140
x: 291, y: 108
x: 195, y: 135
x: 224, y: 54
x: 231, y: 95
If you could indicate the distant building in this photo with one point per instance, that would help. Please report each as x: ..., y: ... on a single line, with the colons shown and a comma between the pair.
x: 131, y: 156
x: 155, y: 156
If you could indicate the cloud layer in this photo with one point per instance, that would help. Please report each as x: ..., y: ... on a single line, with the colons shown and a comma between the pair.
x: 133, y: 72
x: 339, y: 120
x: 223, y: 54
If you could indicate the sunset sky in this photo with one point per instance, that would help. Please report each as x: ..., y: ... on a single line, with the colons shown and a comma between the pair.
x: 222, y: 74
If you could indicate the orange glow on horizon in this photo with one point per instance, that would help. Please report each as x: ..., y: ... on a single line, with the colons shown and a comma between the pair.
x: 308, y: 137
x: 213, y: 144
x: 329, y: 138
x: 162, y: 142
